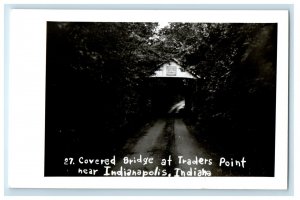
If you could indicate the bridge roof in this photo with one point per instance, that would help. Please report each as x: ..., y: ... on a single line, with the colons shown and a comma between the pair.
x: 172, y: 70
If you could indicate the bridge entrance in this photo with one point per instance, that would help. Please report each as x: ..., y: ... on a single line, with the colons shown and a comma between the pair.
x: 171, y: 89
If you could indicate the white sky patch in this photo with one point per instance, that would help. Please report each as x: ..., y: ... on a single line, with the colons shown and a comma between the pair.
x: 162, y: 24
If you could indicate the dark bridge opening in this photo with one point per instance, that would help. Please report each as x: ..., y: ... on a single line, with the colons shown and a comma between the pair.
x: 171, y: 96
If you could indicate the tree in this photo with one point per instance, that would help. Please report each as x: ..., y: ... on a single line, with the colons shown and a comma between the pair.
x: 236, y: 93
x: 95, y: 82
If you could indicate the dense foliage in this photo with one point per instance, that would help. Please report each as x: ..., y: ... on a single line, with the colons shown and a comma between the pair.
x: 234, y: 105
x: 95, y: 84
x: 98, y: 85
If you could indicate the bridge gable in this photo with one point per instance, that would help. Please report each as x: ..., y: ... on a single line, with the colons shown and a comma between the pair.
x: 172, y: 70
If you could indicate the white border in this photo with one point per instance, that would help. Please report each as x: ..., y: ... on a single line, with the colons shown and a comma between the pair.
x: 27, y: 99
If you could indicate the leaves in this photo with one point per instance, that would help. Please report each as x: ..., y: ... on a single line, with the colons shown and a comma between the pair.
x: 102, y: 70
x: 103, y: 67
x: 235, y: 64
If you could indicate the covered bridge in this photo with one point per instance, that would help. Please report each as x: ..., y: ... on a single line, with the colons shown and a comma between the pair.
x: 172, y: 88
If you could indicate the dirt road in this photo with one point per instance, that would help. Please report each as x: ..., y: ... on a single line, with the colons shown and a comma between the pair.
x: 167, y: 148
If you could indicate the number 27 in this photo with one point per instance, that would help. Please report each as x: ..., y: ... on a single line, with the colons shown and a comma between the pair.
x: 68, y: 161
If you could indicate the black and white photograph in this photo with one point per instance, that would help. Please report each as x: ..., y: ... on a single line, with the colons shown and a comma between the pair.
x: 148, y: 99
x: 160, y: 99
